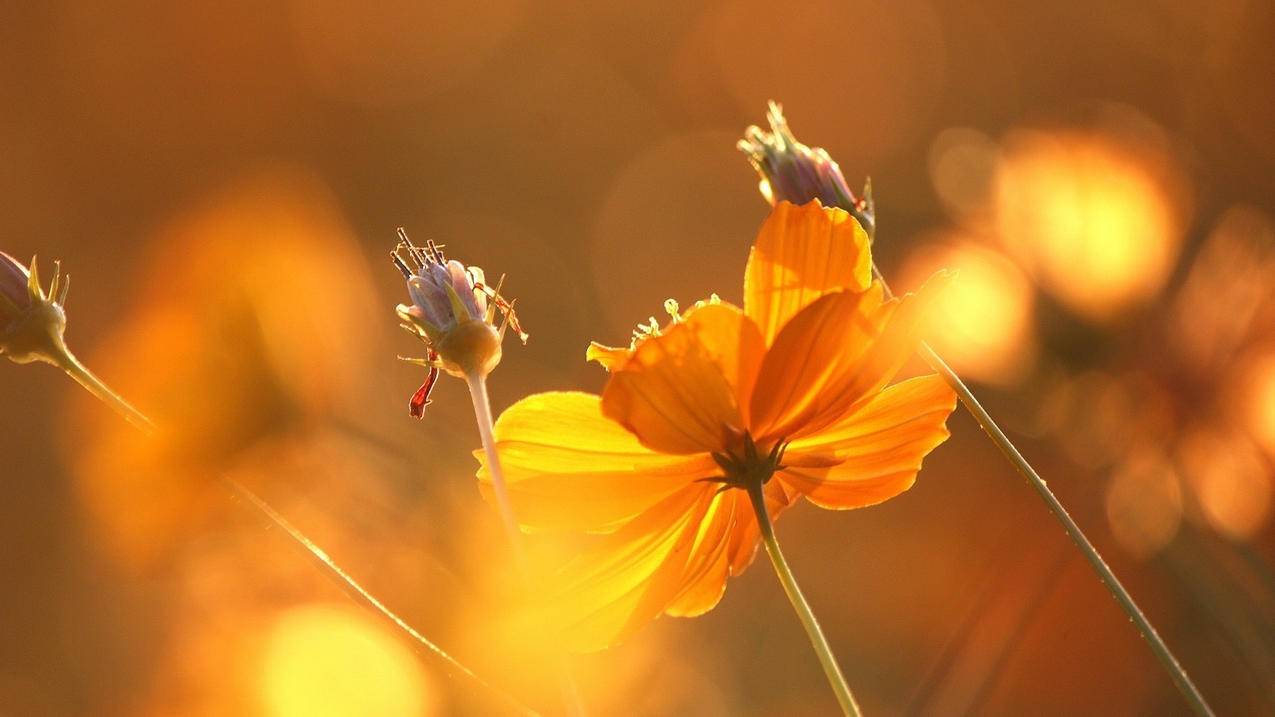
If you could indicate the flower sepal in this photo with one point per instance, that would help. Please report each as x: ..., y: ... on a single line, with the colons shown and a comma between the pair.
x: 470, y: 348
x: 32, y: 321
x: 748, y: 467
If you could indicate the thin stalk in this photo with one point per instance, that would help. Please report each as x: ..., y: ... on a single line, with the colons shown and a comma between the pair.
x: 423, y: 645
x: 94, y: 385
x: 799, y: 605
x: 1108, y: 578
x: 482, y: 412
x: 360, y: 594
x: 571, y: 698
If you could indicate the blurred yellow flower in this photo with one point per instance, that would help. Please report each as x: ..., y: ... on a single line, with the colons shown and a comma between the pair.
x: 792, y: 387
x: 249, y: 382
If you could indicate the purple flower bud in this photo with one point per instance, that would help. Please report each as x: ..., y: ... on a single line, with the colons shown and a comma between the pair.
x: 13, y: 287
x: 453, y: 311
x: 791, y: 171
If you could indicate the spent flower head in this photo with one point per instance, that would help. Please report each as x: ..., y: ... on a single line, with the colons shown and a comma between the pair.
x: 454, y: 312
x: 32, y: 322
x: 791, y: 171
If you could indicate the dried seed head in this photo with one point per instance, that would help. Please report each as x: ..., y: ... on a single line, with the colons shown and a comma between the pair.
x: 460, y: 318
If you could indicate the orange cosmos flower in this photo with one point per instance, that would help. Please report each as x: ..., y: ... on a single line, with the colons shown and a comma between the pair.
x: 790, y: 390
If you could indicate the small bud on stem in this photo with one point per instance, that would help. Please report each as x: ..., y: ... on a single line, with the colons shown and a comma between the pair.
x: 33, y: 328
x: 454, y: 312
x: 791, y: 171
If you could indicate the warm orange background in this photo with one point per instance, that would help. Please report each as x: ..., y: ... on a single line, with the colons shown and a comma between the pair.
x: 223, y: 180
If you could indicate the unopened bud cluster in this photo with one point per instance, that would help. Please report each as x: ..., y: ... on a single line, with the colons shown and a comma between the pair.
x: 791, y: 171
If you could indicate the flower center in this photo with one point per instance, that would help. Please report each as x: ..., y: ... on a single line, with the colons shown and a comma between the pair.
x: 748, y: 465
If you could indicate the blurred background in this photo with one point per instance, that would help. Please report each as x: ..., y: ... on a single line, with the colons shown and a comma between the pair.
x: 224, y: 179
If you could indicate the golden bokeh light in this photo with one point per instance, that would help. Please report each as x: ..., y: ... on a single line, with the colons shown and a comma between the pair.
x: 1230, y: 281
x: 962, y: 164
x: 1098, y: 418
x: 982, y: 323
x: 1144, y: 504
x: 1259, y: 398
x: 333, y: 661
x: 1096, y: 222
x: 1231, y: 481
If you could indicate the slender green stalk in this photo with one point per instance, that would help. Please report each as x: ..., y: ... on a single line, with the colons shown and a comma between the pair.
x: 358, y: 593
x: 423, y: 645
x: 799, y: 605
x: 571, y: 698
x: 1108, y: 578
x: 94, y: 385
x: 482, y: 412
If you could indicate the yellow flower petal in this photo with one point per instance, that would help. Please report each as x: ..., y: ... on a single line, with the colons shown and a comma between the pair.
x: 872, y: 370
x: 680, y: 392
x: 878, y: 449
x: 802, y: 253
x: 835, y: 353
x: 814, y: 351
x: 733, y: 342
x: 568, y: 467
x: 628, y: 578
x: 704, y: 580
x: 609, y: 357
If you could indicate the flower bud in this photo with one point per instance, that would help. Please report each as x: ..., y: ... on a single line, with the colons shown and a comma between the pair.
x: 14, y: 298
x: 791, y: 171
x: 32, y: 322
x: 453, y: 311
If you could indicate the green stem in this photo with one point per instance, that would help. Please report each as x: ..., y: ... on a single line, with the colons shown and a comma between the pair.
x: 799, y: 605
x: 571, y: 698
x: 1108, y: 578
x: 1011, y: 453
x: 94, y: 385
x: 482, y: 413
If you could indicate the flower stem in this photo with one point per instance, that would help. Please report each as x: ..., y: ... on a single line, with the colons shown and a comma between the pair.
x: 1170, y: 663
x: 799, y: 605
x: 360, y: 594
x: 94, y: 385
x: 1108, y: 578
x: 482, y: 412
